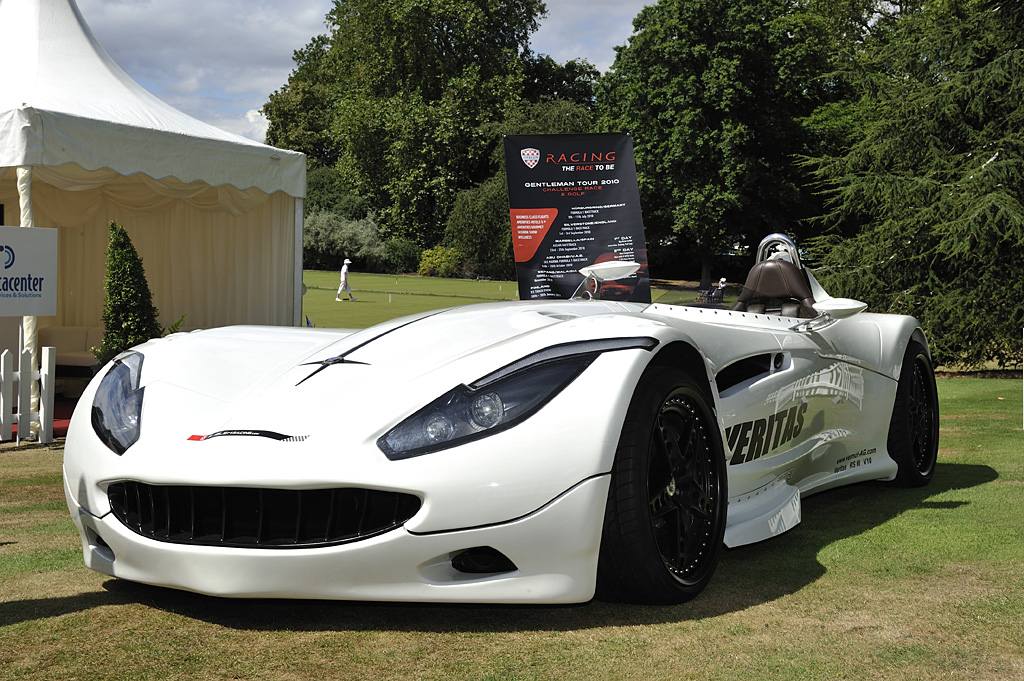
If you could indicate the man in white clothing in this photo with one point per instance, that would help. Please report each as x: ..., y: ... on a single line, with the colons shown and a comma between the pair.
x: 344, y: 282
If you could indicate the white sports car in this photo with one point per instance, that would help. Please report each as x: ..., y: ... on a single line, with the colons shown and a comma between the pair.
x: 518, y: 452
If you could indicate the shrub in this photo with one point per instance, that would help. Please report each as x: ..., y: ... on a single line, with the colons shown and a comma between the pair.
x: 441, y: 261
x: 129, y: 315
x: 328, y: 239
x: 479, y: 227
x: 403, y: 255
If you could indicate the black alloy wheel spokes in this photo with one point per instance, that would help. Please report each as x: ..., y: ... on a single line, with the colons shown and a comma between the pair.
x: 920, y: 418
x: 682, y: 489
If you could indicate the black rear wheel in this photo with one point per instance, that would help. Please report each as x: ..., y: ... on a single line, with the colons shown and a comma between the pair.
x: 666, y: 512
x: 914, y: 428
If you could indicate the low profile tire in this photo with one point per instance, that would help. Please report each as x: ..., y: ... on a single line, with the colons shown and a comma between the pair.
x: 666, y: 512
x: 914, y: 428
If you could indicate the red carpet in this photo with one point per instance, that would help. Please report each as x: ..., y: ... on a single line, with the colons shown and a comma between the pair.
x: 62, y: 409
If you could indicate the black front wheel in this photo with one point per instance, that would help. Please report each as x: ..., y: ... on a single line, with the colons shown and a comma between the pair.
x: 666, y: 512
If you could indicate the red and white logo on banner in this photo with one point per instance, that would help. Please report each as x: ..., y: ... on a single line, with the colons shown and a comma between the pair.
x: 531, y: 157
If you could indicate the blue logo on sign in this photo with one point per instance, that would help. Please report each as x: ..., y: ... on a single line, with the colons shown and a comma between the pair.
x: 9, y: 253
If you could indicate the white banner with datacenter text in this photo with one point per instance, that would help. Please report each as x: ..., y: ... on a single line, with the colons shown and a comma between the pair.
x: 28, y: 272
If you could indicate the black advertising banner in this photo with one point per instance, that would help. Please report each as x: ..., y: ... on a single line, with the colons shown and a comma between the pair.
x: 573, y: 202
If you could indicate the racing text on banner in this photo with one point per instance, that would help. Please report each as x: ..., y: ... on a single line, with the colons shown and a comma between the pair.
x: 573, y: 202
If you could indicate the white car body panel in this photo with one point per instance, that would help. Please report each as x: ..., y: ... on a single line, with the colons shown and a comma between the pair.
x: 817, y: 416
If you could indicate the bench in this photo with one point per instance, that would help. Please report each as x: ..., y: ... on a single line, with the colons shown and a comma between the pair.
x: 74, y: 359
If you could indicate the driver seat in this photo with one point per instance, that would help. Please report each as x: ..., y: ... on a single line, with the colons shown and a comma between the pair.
x: 776, y: 284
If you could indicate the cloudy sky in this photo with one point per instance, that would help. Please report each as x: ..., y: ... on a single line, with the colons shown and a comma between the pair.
x: 218, y: 60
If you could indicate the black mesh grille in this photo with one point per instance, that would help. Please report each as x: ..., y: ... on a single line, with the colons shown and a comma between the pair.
x: 258, y: 517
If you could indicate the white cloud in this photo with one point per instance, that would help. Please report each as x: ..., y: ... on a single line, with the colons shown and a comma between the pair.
x: 216, y: 61
x: 588, y: 29
x: 220, y: 60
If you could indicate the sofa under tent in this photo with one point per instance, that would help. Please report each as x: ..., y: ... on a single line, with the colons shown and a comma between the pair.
x: 217, y: 218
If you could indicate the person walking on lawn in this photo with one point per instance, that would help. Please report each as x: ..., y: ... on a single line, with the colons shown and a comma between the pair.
x: 344, y: 282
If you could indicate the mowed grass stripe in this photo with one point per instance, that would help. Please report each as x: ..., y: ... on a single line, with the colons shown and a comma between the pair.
x: 876, y: 582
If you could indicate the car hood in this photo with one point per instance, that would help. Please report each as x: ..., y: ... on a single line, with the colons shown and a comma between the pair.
x: 292, y: 379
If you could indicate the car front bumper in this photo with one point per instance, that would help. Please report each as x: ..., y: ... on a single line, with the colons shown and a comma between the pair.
x: 554, y: 550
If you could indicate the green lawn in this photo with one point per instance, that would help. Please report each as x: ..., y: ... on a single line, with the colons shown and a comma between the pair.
x: 380, y: 297
x: 875, y: 583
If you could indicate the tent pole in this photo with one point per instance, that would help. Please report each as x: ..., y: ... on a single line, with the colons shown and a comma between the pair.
x: 28, y: 324
x: 297, y: 282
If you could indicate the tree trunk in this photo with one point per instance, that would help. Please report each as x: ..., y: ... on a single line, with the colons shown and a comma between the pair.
x: 705, y: 274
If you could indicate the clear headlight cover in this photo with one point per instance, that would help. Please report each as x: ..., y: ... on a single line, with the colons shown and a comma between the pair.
x: 464, y: 414
x: 117, y: 406
x: 498, y: 401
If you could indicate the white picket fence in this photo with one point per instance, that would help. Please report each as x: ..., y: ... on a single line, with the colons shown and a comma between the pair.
x: 23, y: 416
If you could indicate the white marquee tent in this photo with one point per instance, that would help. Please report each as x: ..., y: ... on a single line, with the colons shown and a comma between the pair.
x: 216, y: 218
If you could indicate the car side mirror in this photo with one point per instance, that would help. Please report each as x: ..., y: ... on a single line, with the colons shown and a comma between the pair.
x: 829, y: 312
x: 840, y: 308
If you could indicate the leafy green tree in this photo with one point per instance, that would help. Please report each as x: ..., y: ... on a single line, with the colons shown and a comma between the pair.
x: 328, y: 239
x: 404, y: 100
x: 327, y: 191
x: 934, y: 181
x: 714, y: 93
x: 129, y: 316
x: 479, y: 225
x: 403, y: 255
x: 546, y: 79
x: 396, y: 95
x: 301, y: 112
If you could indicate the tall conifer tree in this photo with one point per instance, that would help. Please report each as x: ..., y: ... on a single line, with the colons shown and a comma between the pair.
x: 129, y: 315
x: 927, y: 205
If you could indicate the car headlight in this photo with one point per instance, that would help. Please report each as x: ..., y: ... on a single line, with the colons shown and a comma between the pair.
x: 117, y: 406
x: 497, y: 401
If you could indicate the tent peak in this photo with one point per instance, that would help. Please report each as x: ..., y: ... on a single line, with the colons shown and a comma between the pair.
x: 63, y: 99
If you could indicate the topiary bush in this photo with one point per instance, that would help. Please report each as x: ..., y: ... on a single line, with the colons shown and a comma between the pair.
x: 129, y: 315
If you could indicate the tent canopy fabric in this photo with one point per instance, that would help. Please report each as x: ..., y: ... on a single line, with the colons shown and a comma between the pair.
x: 64, y: 100
x: 216, y: 217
